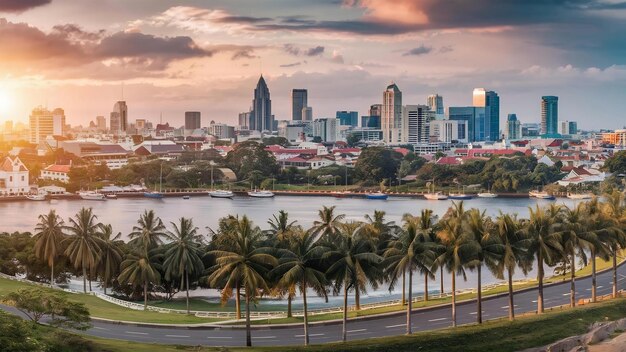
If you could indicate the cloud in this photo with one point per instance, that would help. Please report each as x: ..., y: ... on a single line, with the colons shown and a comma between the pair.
x: 337, y: 57
x: 297, y: 51
x: 21, y: 5
x: 244, y: 54
x: 420, y: 50
x: 291, y: 49
x: 446, y: 49
x: 318, y: 50
x: 293, y: 64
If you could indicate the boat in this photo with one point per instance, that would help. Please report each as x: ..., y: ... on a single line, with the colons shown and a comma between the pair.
x: 459, y: 196
x: 579, y: 195
x: 154, y: 194
x: 91, y: 195
x: 220, y: 193
x: 377, y: 195
x: 111, y: 196
x: 186, y: 197
x: 487, y: 195
x: 36, y: 197
x: 435, y: 196
x: 261, y: 194
x: 541, y: 195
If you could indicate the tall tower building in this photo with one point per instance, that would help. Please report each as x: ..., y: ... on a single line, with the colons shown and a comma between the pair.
x: 391, y: 115
x: 299, y: 100
x: 513, y: 127
x: 101, y: 123
x: 549, y: 115
x: 491, y: 102
x: 193, y: 120
x: 435, y: 103
x: 119, y: 117
x: 44, y: 123
x: 261, y: 114
x: 307, y: 113
x: 417, y: 119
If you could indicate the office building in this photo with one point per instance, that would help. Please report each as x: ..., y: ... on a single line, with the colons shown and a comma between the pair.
x: 307, y: 113
x: 299, y: 100
x: 617, y: 138
x: 140, y: 125
x: 261, y: 118
x: 44, y: 123
x: 569, y: 127
x: 474, y: 118
x: 435, y: 103
x: 244, y: 120
x: 531, y: 130
x: 120, y: 113
x: 549, y: 115
x: 326, y: 128
x: 448, y: 131
x: 490, y: 101
x: 221, y: 130
x: 193, y: 120
x: 348, y: 118
x: 370, y: 122
x: 391, y: 115
x: 376, y: 110
x: 417, y: 118
x: 513, y: 127
x: 101, y: 123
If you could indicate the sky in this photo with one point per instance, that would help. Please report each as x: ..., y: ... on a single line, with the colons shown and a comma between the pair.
x: 168, y: 57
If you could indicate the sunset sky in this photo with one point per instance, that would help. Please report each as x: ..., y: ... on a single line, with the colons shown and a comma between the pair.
x: 172, y: 56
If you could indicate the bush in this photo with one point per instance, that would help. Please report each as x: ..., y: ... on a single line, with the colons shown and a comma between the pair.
x: 62, y: 341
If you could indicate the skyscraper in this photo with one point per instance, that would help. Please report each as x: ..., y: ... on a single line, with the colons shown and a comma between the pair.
x: 513, y: 127
x: 435, y: 103
x: 193, y: 120
x: 44, y: 123
x: 391, y: 115
x: 299, y: 100
x: 475, y: 121
x: 549, y: 115
x: 101, y: 123
x: 491, y: 102
x: 307, y: 113
x: 261, y: 118
x: 348, y: 118
x: 120, y: 115
x: 244, y: 120
x: 417, y: 118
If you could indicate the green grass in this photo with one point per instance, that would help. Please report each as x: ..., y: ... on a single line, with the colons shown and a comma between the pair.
x: 502, y: 335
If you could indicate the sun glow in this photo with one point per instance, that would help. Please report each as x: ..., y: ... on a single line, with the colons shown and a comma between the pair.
x: 6, y: 103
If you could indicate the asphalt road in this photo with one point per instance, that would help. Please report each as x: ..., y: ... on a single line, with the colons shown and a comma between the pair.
x: 430, y: 319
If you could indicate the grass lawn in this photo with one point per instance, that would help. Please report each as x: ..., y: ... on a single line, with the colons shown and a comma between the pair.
x: 502, y: 335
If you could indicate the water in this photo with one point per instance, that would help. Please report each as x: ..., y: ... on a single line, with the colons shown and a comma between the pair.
x: 205, y: 211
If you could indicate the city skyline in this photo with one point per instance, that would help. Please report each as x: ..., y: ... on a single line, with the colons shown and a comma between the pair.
x: 194, y: 56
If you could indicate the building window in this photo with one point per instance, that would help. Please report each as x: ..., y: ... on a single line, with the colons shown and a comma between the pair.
x: 10, y: 178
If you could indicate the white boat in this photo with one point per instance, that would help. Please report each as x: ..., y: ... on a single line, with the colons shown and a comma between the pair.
x: 487, y: 195
x: 156, y: 194
x: 220, y: 193
x: 91, y: 195
x: 459, y: 196
x: 36, y: 197
x: 579, y: 195
x: 541, y: 195
x: 111, y: 196
x: 435, y: 196
x: 261, y: 194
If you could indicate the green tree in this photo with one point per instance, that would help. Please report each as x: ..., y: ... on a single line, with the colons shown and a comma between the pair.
x: 110, y: 254
x: 84, y: 242
x: 48, y: 238
x: 140, y: 269
x: 281, y: 232
x: 149, y: 231
x: 376, y: 164
x: 614, y: 211
x: 183, y: 254
x: 328, y: 224
x: 617, y: 163
x: 251, y: 156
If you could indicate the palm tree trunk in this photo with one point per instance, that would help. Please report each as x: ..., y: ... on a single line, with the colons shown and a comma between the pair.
x: 248, y: 330
x: 187, y: 287
x: 238, y: 302
x: 289, y: 314
x: 306, y: 318
x: 426, y: 288
x: 453, y: 298
x: 403, y: 288
x: 593, y: 276
x: 479, y: 298
x: 572, y: 289
x: 511, y: 304
x: 84, y: 279
x: 410, y: 305
x: 145, y: 294
x: 540, y: 283
x: 441, y: 282
x: 52, y: 274
x: 614, y: 273
x: 344, y: 332
x: 357, y: 298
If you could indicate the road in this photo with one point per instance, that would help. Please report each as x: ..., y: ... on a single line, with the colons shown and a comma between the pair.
x: 435, y: 318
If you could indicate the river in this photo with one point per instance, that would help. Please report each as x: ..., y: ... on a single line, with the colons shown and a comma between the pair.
x: 123, y: 213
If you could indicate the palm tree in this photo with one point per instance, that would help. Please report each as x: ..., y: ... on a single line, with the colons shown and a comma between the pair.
x: 615, y: 212
x: 328, y: 223
x: 300, y: 265
x: 488, y: 250
x: 183, y: 256
x: 48, y: 239
x: 140, y: 269
x: 244, y: 264
x: 515, y: 243
x: 281, y: 231
x: 149, y: 231
x: 459, y: 249
x: 354, y: 263
x: 605, y: 231
x: 428, y: 230
x: 410, y: 252
x: 84, y: 242
x: 382, y: 232
x: 544, y: 242
x: 110, y: 254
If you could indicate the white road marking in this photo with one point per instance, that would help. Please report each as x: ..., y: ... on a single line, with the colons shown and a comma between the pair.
x: 263, y: 337
x: 357, y: 330
x: 395, y: 326
x: 181, y: 336
x: 219, y: 337
x: 438, y: 319
x: 566, y: 294
x: 310, y: 335
x: 99, y: 328
x: 507, y: 307
x: 136, y: 333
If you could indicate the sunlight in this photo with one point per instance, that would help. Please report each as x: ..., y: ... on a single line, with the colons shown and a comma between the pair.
x: 5, y: 103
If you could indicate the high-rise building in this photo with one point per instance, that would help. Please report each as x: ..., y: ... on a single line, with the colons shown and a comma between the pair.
x: 114, y: 122
x: 221, y: 130
x: 417, y: 119
x: 569, y: 127
x: 140, y: 125
x: 120, y: 109
x: 44, y: 123
x: 531, y: 130
x: 435, y: 103
x: 513, y: 127
x: 549, y: 115
x: 307, y: 113
x: 448, y: 131
x: 475, y: 120
x: 348, y: 118
x: 376, y: 110
x: 326, y: 129
x: 261, y: 118
x: 391, y: 115
x: 193, y: 120
x: 244, y: 120
x: 370, y: 121
x: 101, y: 123
x: 299, y: 100
x: 491, y: 102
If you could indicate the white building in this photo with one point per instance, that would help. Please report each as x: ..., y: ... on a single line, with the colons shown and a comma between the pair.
x: 417, y: 123
x: 326, y: 128
x: 446, y: 131
x: 44, y: 123
x: 56, y: 173
x: 13, y: 177
x: 391, y: 119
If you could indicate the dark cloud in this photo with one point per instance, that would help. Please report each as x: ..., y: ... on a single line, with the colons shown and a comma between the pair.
x: 291, y: 49
x: 420, y: 50
x: 293, y: 64
x: 297, y: 51
x: 318, y: 50
x: 21, y: 5
x: 446, y: 49
x: 244, y: 54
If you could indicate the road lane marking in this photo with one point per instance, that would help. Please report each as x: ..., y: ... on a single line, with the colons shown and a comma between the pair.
x: 357, y: 330
x: 507, y: 307
x: 99, y: 328
x: 219, y: 337
x: 438, y: 319
x: 395, y: 326
x: 136, y: 333
x: 263, y: 337
x: 181, y: 336
x: 310, y: 335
